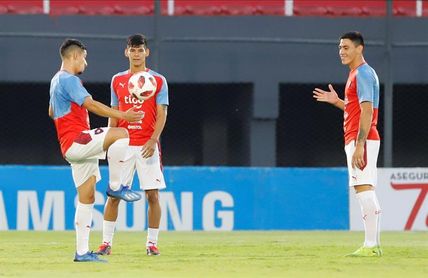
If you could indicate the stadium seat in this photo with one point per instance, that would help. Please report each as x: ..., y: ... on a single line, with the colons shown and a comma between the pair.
x: 404, y: 8
x: 403, y: 11
x: 96, y: 10
x: 351, y: 11
x: 3, y: 10
x: 65, y: 11
x: 310, y: 11
x: 19, y: 9
x: 127, y: 10
x: 99, y: 7
x: 230, y: 7
x: 186, y: 11
x: 219, y: 11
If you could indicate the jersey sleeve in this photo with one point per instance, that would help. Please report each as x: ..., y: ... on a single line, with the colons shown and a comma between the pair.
x: 162, y: 96
x: 75, y: 90
x: 114, y: 101
x: 366, y: 84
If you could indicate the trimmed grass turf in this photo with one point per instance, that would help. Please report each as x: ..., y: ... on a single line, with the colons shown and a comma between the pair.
x: 217, y: 254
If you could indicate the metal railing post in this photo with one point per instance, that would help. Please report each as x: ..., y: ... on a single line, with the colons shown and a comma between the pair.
x: 388, y: 93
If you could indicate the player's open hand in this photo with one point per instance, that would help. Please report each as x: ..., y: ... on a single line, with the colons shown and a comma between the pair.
x: 131, y: 115
x: 326, y: 96
x: 358, y: 160
x: 148, y: 148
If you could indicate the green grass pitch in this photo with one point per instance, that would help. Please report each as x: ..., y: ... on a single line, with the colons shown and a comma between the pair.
x: 217, y: 254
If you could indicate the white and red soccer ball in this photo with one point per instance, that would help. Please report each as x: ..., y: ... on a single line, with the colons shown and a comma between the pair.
x: 142, y: 85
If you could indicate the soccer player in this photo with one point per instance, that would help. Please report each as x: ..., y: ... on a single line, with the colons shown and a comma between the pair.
x: 81, y: 147
x: 362, y: 140
x: 143, y: 154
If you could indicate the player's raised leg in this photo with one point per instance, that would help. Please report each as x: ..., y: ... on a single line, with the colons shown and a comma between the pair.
x: 117, y: 141
x: 112, y: 204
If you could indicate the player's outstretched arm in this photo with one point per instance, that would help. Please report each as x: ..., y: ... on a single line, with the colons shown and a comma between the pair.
x: 102, y: 110
x: 329, y: 97
x: 113, y: 122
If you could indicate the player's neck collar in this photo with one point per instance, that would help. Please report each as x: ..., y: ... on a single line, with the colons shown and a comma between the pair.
x: 359, y: 65
x: 145, y: 69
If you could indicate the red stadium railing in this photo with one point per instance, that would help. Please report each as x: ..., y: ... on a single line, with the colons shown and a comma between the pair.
x: 332, y: 8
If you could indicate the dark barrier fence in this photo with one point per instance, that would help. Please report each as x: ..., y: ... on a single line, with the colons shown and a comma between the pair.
x: 209, y: 124
x: 310, y: 133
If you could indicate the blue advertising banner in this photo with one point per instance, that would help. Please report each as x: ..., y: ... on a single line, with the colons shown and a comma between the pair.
x: 196, y: 198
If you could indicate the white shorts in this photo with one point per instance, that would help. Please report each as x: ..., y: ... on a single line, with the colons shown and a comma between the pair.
x: 149, y: 170
x: 83, y: 156
x: 369, y: 174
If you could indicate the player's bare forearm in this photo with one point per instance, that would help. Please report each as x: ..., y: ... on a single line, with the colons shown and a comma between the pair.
x: 113, y: 122
x: 148, y: 148
x: 340, y: 104
x: 160, y: 121
x: 365, y: 122
x: 101, y: 109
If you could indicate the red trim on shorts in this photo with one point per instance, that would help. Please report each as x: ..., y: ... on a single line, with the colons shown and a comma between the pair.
x: 83, y: 138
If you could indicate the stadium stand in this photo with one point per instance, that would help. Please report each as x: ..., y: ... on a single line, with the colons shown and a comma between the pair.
x: 329, y: 8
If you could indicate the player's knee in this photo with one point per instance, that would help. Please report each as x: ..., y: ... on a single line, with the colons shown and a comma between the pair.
x: 114, y: 202
x: 152, y: 197
x: 362, y: 188
x: 87, y: 199
x: 122, y: 133
x: 91, y: 198
x: 116, y: 133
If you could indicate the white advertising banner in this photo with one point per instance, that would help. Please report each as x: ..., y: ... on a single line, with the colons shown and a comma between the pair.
x: 402, y: 194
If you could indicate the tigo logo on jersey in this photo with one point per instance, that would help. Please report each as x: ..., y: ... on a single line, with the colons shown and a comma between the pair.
x: 136, y: 102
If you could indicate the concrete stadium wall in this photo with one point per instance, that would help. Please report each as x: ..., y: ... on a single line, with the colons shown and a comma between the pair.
x: 30, y: 46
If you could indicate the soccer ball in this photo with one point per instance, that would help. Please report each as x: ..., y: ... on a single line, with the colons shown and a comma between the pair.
x: 142, y: 85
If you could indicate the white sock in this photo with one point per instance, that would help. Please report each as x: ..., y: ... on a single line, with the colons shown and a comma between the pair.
x: 371, y: 216
x: 152, y: 236
x: 108, y: 231
x: 83, y: 221
x: 116, y: 155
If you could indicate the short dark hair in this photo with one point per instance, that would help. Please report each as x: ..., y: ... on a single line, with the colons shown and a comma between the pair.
x: 355, y: 37
x: 69, y: 44
x: 136, y: 40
